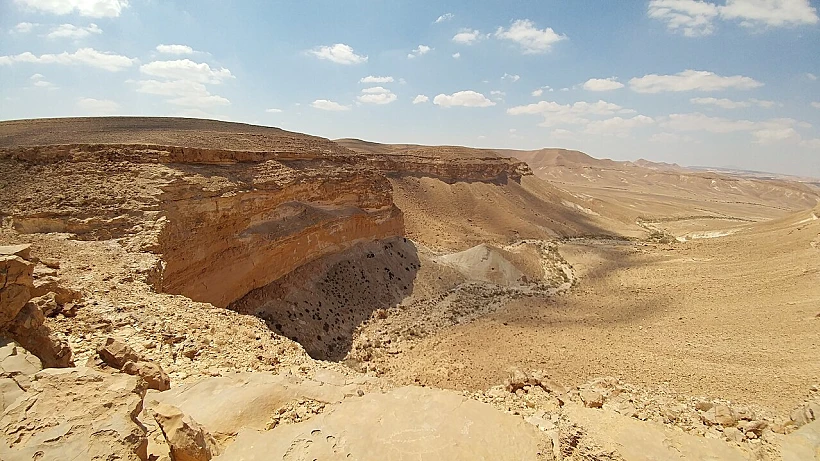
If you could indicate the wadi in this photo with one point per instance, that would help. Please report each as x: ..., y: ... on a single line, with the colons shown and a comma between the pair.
x: 187, y: 289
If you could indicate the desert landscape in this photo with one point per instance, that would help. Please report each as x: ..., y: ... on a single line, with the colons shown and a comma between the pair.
x: 185, y: 289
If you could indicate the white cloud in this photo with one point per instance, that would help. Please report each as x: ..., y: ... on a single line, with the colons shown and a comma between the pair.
x: 188, y: 93
x: 185, y: 69
x: 777, y: 129
x: 774, y: 13
x: 377, y: 95
x: 531, y: 39
x: 560, y: 133
x: 175, y: 49
x: 537, y: 93
x: 511, y: 77
x: 420, y: 99
x: 730, y: 104
x: 338, y: 53
x: 91, y: 106
x: 39, y: 81
x: 603, y: 84
x: 373, y: 79
x: 462, y: 98
x: 325, y: 104
x: 467, y: 36
x: 421, y: 50
x: 85, y: 56
x: 696, y: 17
x: 445, y: 17
x: 273, y: 111
x: 816, y: 105
x: 92, y: 8
x: 70, y: 31
x: 691, y: 17
x: 617, y: 126
x: 691, y: 80
x: 569, y: 114
x: 811, y: 76
x: 456, y: 55
x: 24, y: 27
x: 811, y: 143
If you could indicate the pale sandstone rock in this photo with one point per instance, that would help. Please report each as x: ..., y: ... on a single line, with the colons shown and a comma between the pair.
x: 16, y: 282
x: 634, y: 440
x: 408, y: 423
x: 75, y: 413
x: 806, y: 413
x: 116, y: 353
x: 803, y: 444
x: 188, y: 441
x: 152, y: 373
x: 591, y: 398
x: 734, y: 434
x: 22, y: 250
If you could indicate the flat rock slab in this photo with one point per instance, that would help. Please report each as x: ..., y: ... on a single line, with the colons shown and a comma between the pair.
x: 409, y: 423
x: 75, y: 413
x: 22, y: 250
x: 224, y: 405
x: 636, y: 440
x: 802, y: 444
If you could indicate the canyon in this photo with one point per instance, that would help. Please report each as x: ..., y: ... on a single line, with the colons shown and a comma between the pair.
x: 349, y: 299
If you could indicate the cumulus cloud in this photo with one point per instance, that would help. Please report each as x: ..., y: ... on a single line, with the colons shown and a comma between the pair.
x: 187, y: 93
x: 691, y: 80
x: 420, y: 99
x: 324, y: 104
x: 511, y: 77
x: 84, y: 56
x: 39, y: 81
x: 92, y: 8
x: 456, y: 55
x: 725, y: 103
x: 91, y: 106
x: 811, y: 76
x: 467, y: 98
x: 373, y: 79
x: 445, y: 17
x: 273, y: 111
x: 467, y: 36
x: 695, y: 18
x: 602, y: 84
x: 185, y: 69
x: 24, y: 27
x: 766, y: 131
x: 537, y: 93
x: 338, y: 53
x: 617, y: 126
x: 578, y: 113
x: 72, y: 32
x: 531, y: 39
x: 175, y: 49
x: 377, y: 95
x: 421, y: 50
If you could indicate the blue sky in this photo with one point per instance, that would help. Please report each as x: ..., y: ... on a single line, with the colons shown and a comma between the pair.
x: 719, y: 82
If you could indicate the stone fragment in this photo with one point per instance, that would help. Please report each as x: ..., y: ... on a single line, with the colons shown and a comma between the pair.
x: 806, y: 413
x: 591, y: 398
x: 187, y: 440
x: 734, y: 434
x: 16, y: 282
x: 153, y: 374
x: 22, y: 250
x: 116, y: 353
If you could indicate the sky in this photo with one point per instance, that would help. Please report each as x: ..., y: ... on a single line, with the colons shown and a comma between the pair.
x: 725, y: 83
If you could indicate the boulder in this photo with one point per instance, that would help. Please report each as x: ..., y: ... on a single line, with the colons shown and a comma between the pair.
x: 591, y: 398
x: 802, y: 444
x: 116, y: 353
x: 29, y: 330
x: 16, y: 282
x: 409, y: 423
x: 75, y: 413
x: 153, y: 374
x: 187, y: 440
x: 806, y: 413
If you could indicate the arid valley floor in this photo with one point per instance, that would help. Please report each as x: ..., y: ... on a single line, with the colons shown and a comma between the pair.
x: 203, y: 290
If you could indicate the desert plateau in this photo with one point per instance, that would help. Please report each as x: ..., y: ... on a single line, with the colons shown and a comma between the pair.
x: 189, y: 289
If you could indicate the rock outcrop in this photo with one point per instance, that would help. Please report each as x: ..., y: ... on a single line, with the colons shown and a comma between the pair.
x: 75, y: 413
x: 20, y: 319
x: 119, y: 355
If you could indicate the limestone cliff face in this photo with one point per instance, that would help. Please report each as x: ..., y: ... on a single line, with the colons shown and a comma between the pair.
x: 224, y: 222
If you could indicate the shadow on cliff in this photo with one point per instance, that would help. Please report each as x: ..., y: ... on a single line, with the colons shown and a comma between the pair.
x: 321, y: 304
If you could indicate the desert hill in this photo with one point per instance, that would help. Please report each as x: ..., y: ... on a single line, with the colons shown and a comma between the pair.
x: 284, y: 295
